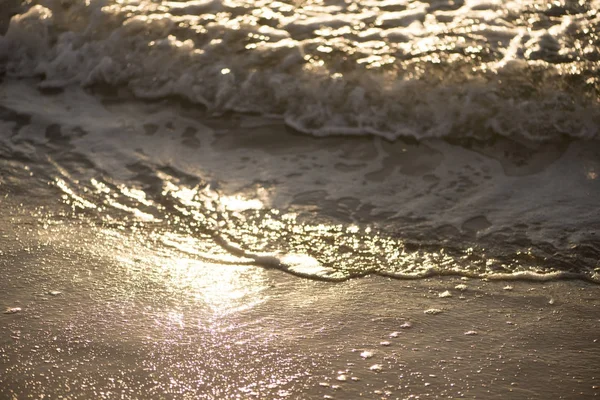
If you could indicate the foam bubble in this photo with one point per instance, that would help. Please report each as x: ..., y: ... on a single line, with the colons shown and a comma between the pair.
x: 329, y: 71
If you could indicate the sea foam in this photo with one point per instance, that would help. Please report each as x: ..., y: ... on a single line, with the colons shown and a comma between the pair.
x: 475, y: 69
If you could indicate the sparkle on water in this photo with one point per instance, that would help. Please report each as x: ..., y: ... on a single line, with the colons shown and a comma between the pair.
x: 398, y: 41
x: 204, y: 226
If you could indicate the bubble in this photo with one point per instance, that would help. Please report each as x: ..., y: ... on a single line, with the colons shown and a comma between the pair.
x: 376, y: 367
x: 366, y: 354
x: 461, y: 286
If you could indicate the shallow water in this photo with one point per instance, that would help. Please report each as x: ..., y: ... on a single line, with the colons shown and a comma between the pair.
x: 512, y: 90
x: 242, y: 189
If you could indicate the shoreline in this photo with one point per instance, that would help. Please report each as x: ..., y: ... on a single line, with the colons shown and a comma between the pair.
x: 102, y: 303
x: 91, y: 324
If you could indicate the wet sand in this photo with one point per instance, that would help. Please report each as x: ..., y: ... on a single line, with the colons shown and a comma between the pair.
x: 92, y: 327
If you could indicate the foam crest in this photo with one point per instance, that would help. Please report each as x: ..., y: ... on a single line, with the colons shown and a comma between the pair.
x: 524, y: 69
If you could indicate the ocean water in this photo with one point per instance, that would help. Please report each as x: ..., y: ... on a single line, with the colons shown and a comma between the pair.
x: 328, y: 139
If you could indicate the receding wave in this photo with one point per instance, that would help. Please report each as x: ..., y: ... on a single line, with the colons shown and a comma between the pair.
x: 521, y: 73
x: 198, y: 220
x: 329, y: 209
x: 422, y: 69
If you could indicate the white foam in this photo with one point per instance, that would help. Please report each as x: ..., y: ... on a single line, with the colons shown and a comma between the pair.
x: 416, y: 72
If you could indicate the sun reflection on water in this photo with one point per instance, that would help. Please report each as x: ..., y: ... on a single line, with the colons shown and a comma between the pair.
x: 225, y: 284
x: 215, y: 247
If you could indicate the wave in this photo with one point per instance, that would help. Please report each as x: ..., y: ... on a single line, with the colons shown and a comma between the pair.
x: 524, y: 69
x: 209, y: 226
x: 330, y: 209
